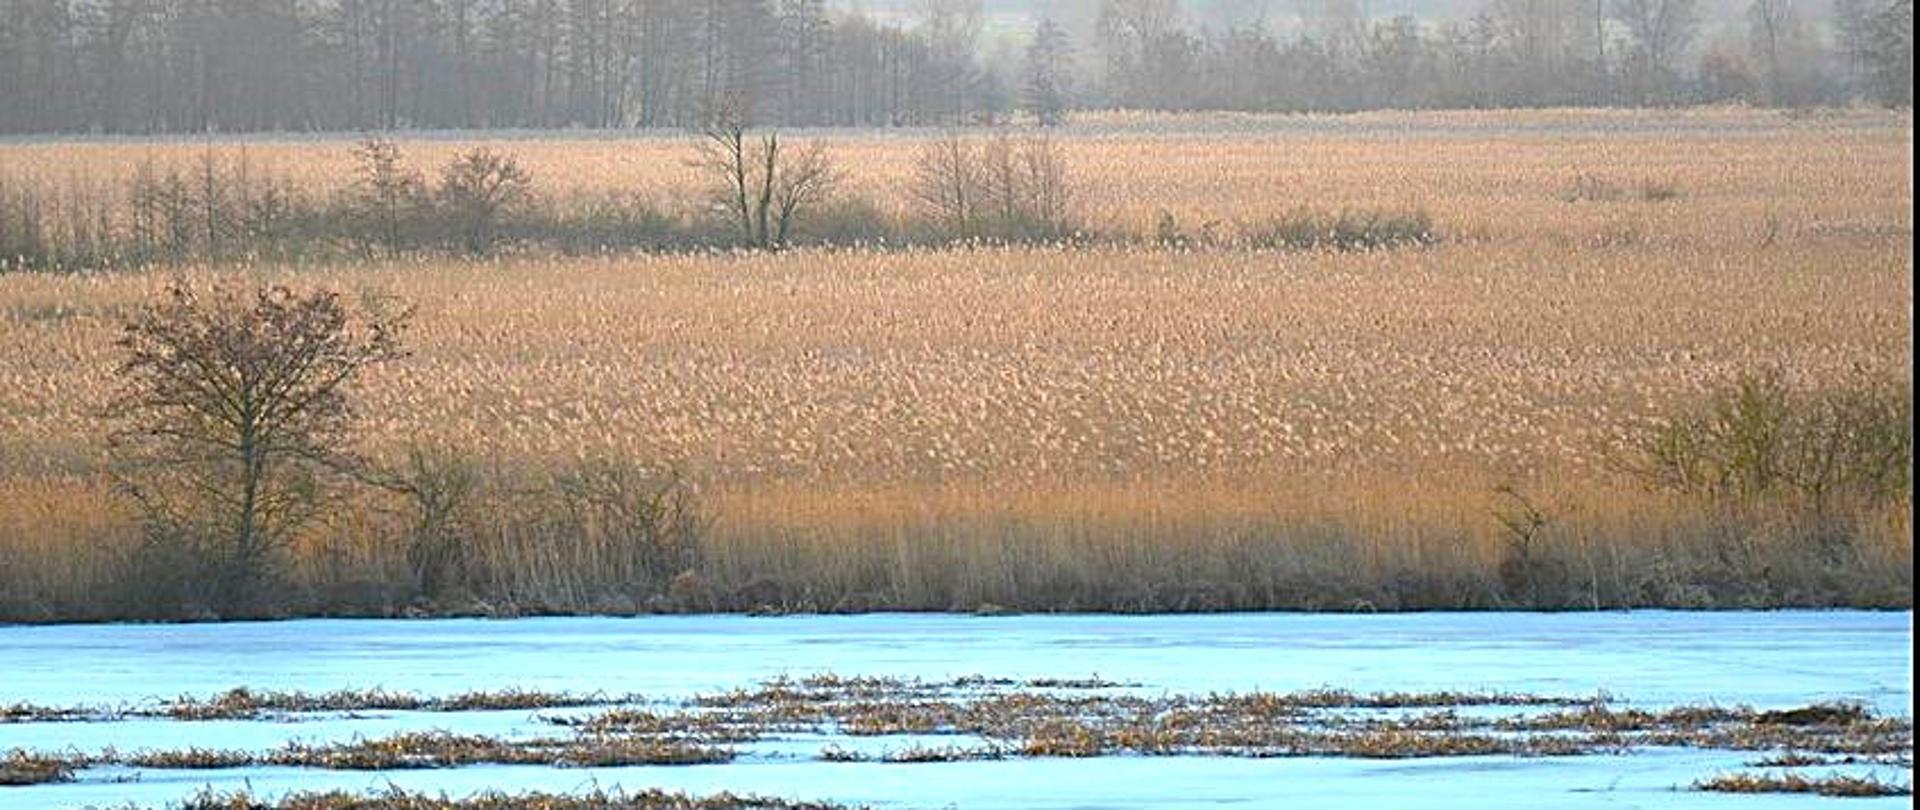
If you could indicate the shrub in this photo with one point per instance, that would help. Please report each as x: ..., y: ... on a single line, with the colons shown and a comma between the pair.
x: 596, y: 224
x: 599, y: 534
x: 224, y: 209
x: 1350, y: 229
x: 1758, y: 439
x: 385, y: 198
x: 1000, y: 189
x: 162, y: 209
x: 947, y: 186
x: 1529, y: 574
x: 643, y: 524
x: 848, y: 221
x: 1028, y: 188
x: 441, y: 487
x: 23, y: 232
x: 1592, y: 188
x: 476, y: 189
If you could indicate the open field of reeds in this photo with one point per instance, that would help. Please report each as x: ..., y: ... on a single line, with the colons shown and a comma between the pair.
x: 1155, y: 420
x: 1703, y: 177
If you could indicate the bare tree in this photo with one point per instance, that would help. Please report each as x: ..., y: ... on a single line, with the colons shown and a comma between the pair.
x: 763, y: 185
x: 1661, y: 30
x: 806, y: 177
x: 1049, y: 60
x: 235, y: 410
x: 952, y: 30
x: 1766, y: 18
x: 1539, y: 36
x: 1888, y: 51
x: 442, y: 485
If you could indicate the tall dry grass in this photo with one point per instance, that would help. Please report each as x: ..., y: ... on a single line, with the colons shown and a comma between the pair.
x: 1739, y: 175
x: 1120, y: 428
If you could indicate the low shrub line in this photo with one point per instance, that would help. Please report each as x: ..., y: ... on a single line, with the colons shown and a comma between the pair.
x: 977, y: 191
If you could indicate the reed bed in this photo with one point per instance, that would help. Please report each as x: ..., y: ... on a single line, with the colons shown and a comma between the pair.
x: 1724, y: 177
x: 1167, y: 423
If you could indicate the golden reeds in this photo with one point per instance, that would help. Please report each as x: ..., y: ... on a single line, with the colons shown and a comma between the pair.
x: 1095, y: 428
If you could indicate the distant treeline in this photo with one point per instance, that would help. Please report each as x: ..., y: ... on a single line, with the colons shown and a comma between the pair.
x: 147, y: 66
x: 1515, y: 53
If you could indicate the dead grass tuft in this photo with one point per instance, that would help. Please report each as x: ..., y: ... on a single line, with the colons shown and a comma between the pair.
x: 20, y: 768
x: 1840, y: 785
x: 397, y: 799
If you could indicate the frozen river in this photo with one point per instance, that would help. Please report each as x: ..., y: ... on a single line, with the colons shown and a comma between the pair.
x: 1643, y: 659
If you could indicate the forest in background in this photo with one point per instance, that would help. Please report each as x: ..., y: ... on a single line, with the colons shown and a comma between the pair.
x: 193, y: 66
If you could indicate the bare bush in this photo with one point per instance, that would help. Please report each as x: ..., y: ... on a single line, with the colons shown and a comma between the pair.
x: 23, y: 234
x: 1351, y: 229
x: 476, y: 189
x: 234, y: 413
x: 947, y: 185
x: 1529, y: 573
x: 441, y: 487
x: 598, y: 534
x: 644, y: 523
x: 1593, y: 188
x: 1000, y: 188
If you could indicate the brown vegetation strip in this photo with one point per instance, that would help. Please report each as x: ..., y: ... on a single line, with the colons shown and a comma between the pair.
x: 1309, y: 723
x: 32, y: 713
x: 397, y: 799
x: 245, y: 703
x: 1855, y: 786
x: 27, y: 768
x: 443, y: 750
x: 248, y: 704
x: 1000, y: 718
x: 436, y: 749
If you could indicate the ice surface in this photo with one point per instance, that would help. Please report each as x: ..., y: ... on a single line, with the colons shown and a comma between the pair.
x: 1764, y: 659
